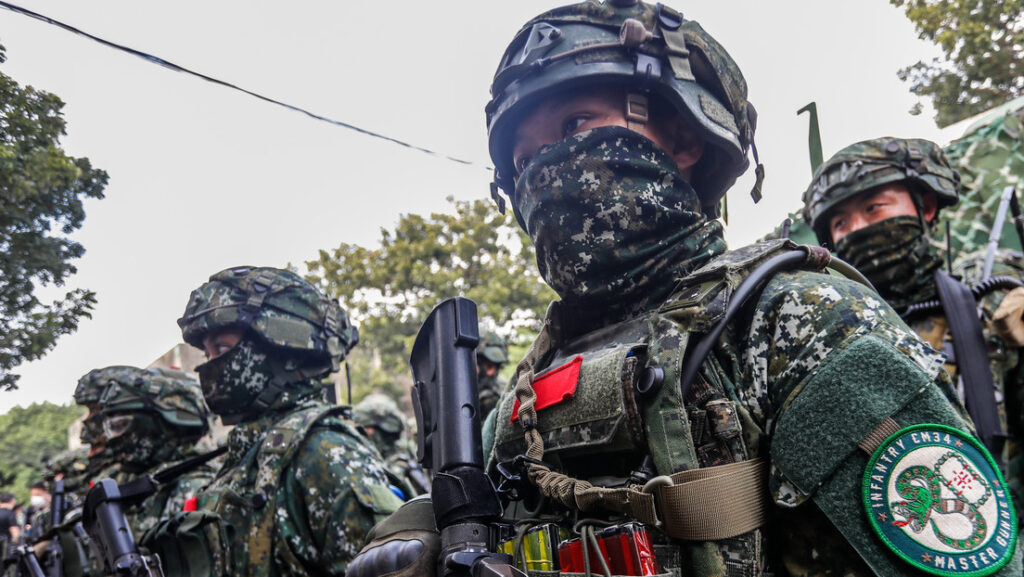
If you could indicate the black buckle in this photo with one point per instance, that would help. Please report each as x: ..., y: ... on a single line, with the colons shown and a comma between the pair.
x: 514, y: 477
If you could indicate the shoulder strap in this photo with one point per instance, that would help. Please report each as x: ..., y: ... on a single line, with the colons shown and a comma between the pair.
x: 972, y: 359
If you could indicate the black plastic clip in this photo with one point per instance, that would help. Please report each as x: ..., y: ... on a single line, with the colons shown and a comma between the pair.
x: 514, y: 477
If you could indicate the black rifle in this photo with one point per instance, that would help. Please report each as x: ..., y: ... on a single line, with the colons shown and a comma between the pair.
x: 110, y: 535
x: 53, y: 555
x: 24, y: 557
x: 448, y: 441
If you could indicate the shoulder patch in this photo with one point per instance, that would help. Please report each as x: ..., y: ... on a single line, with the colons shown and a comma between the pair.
x: 935, y: 497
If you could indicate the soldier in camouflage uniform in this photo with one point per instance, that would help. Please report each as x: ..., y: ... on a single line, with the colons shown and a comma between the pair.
x: 616, y: 128
x: 300, y: 487
x: 877, y: 202
x: 70, y: 466
x: 144, y: 421
x: 491, y: 355
x: 384, y: 425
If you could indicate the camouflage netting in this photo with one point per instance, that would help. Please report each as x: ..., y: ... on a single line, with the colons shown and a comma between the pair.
x: 990, y: 157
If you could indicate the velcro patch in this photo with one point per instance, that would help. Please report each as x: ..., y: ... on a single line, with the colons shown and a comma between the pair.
x: 554, y: 386
x: 935, y: 497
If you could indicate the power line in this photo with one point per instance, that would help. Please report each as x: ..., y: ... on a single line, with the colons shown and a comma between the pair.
x: 177, y: 68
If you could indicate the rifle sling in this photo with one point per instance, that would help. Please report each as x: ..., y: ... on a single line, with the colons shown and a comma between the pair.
x: 172, y: 473
x: 972, y: 360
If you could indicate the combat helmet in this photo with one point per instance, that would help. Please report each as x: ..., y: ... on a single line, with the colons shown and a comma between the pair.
x: 278, y: 306
x: 652, y: 50
x: 379, y: 411
x: 920, y: 164
x: 146, y: 414
x: 92, y: 384
x: 493, y: 348
x: 173, y: 395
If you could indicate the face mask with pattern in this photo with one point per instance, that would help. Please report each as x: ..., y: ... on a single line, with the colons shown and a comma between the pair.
x: 614, y: 222
x: 894, y: 254
x: 232, y: 381
x: 140, y: 440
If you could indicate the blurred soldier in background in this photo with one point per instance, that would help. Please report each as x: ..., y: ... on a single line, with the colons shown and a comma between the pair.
x: 384, y: 425
x: 300, y: 487
x: 145, y: 421
x: 491, y: 355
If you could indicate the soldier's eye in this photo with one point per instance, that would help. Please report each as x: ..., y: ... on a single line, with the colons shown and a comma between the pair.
x: 572, y: 124
x: 521, y: 163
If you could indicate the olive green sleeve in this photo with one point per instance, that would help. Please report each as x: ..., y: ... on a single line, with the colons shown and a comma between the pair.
x: 839, y: 363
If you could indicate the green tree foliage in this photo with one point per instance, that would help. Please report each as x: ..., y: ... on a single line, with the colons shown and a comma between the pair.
x: 29, y: 436
x: 476, y: 253
x: 983, y: 45
x: 41, y: 194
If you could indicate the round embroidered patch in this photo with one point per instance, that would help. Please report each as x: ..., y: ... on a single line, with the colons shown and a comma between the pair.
x: 936, y: 498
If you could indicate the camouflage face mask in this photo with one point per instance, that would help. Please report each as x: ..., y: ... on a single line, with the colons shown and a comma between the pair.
x: 137, y: 439
x: 896, y: 257
x: 232, y: 381
x: 613, y: 220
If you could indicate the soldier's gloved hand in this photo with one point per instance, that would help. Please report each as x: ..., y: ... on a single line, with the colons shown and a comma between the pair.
x: 1009, y: 318
x: 405, y: 544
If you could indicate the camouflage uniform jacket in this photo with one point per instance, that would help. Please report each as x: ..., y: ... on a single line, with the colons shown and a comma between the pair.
x: 297, y: 493
x: 814, y: 367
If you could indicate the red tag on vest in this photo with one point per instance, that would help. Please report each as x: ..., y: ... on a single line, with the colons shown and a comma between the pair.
x: 554, y: 386
x: 191, y: 504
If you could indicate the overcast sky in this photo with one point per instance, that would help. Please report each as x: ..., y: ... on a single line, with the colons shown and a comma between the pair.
x: 203, y: 178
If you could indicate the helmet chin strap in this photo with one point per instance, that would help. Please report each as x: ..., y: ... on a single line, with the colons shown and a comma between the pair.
x: 637, y: 111
x: 283, y: 377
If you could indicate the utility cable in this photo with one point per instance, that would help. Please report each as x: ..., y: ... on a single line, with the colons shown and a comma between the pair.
x: 177, y: 68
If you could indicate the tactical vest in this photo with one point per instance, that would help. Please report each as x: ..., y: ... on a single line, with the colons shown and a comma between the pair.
x: 232, y: 532
x: 151, y: 511
x: 609, y: 405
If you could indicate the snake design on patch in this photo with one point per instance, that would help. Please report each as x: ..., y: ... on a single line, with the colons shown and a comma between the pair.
x: 920, y: 487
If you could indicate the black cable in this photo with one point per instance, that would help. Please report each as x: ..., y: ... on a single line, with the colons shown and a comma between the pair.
x: 979, y: 290
x: 751, y: 285
x: 175, y: 67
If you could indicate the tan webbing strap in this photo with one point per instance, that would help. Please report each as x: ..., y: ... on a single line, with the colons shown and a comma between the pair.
x: 716, y: 502
x: 883, y: 431
x: 637, y: 112
x: 678, y: 54
x: 700, y: 505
